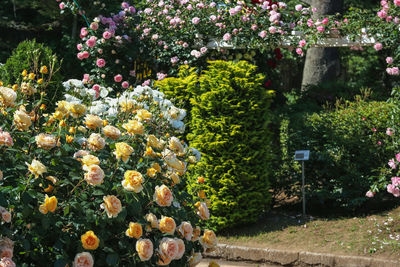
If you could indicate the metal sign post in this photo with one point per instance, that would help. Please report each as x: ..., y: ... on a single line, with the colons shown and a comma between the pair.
x: 302, y: 155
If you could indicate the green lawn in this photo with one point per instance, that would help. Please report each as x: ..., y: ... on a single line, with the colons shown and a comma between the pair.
x: 376, y: 235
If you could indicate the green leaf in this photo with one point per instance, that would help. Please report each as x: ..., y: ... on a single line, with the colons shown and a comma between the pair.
x: 112, y: 259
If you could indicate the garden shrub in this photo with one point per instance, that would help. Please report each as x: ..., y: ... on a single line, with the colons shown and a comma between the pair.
x: 348, y: 145
x: 30, y: 56
x: 230, y: 116
x: 98, y: 177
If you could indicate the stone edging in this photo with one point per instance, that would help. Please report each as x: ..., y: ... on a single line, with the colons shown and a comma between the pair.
x: 296, y: 258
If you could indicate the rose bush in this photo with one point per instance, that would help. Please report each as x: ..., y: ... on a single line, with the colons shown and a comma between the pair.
x: 96, y: 182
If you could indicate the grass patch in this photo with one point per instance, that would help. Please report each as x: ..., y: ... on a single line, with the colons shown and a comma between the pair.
x: 376, y: 235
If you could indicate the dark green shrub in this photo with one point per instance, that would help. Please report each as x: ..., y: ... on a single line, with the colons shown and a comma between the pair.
x: 348, y: 145
x: 230, y: 116
x: 30, y: 56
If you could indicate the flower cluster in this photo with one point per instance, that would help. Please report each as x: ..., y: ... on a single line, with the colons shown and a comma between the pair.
x: 91, y: 164
x: 6, y: 252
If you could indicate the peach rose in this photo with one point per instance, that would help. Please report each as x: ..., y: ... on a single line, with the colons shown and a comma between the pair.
x: 203, y: 211
x: 135, y: 230
x: 143, y: 115
x: 175, y: 145
x: 152, y: 219
x: 7, y: 262
x: 27, y: 89
x: 111, y: 132
x: 96, y: 142
x: 168, y: 247
x: 209, y: 239
x: 94, y: 175
x: 167, y: 225
x: 123, y: 151
x: 163, y: 196
x: 6, y: 216
x: 84, y: 259
x: 93, y: 121
x: 112, y: 205
x: 22, y: 120
x: 133, y: 127
x: 80, y: 154
x: 45, y: 141
x: 7, y: 96
x: 6, y: 252
x: 90, y: 240
x: 175, y: 178
x: 133, y: 181
x: 36, y: 168
x: 186, y: 230
x: 144, y: 247
x: 181, y: 248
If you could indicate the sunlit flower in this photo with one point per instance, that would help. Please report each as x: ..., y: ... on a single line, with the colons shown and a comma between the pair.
x: 90, y: 241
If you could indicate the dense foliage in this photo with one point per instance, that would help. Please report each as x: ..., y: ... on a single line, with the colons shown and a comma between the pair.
x: 349, y: 145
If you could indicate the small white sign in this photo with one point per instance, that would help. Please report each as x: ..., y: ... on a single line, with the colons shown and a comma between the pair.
x: 302, y: 155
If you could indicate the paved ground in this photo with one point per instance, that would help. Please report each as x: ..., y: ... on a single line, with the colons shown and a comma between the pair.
x: 222, y: 263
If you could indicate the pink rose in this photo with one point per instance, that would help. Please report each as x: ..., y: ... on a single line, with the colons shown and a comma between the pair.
x: 94, y: 26
x: 91, y: 42
x: 79, y: 47
x: 262, y: 34
x: 226, y: 37
x: 118, y: 78
x: 378, y: 46
x: 302, y: 43
x: 125, y: 84
x: 299, y: 51
x: 84, y: 32
x: 107, y: 35
x: 272, y: 29
x: 369, y: 194
x: 100, y: 63
x: 80, y: 56
x: 195, y: 20
x: 398, y: 157
x: 389, y: 60
x: 396, y: 2
x: 61, y: 5
x: 392, y: 164
x: 298, y: 7
x: 320, y: 28
x: 7, y: 262
x: 389, y: 131
x: 85, y: 54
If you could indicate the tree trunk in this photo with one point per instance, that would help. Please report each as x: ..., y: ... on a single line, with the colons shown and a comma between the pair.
x: 322, y: 64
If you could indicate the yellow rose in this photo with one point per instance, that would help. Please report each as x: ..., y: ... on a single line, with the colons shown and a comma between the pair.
x: 111, y: 132
x: 133, y: 127
x: 134, y: 231
x: 152, y: 219
x: 133, y: 181
x: 128, y: 105
x: 93, y: 121
x: 152, y: 141
x: 40, y: 81
x: 22, y: 120
x: 112, y: 205
x: 175, y: 178
x: 76, y: 110
x: 202, y: 194
x: 185, y: 229
x: 175, y: 145
x: 203, y: 211
x: 62, y: 107
x: 143, y: 115
x: 149, y: 152
x: 31, y: 76
x: 151, y: 172
x: 201, y: 180
x: 94, y: 175
x: 69, y: 138
x: 156, y: 166
x: 90, y: 160
x: 144, y: 247
x: 50, y: 204
x: 24, y: 73
x: 7, y: 96
x: 163, y: 196
x: 96, y: 142
x: 167, y: 225
x: 123, y: 151
x: 45, y: 141
x: 181, y: 248
x: 209, y: 239
x: 175, y: 163
x: 90, y: 240
x: 43, y: 70
x: 36, y: 168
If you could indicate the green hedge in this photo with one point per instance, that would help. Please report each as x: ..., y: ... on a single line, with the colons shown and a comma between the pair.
x: 229, y: 125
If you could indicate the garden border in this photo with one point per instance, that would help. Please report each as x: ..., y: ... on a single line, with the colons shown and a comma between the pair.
x: 295, y: 258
